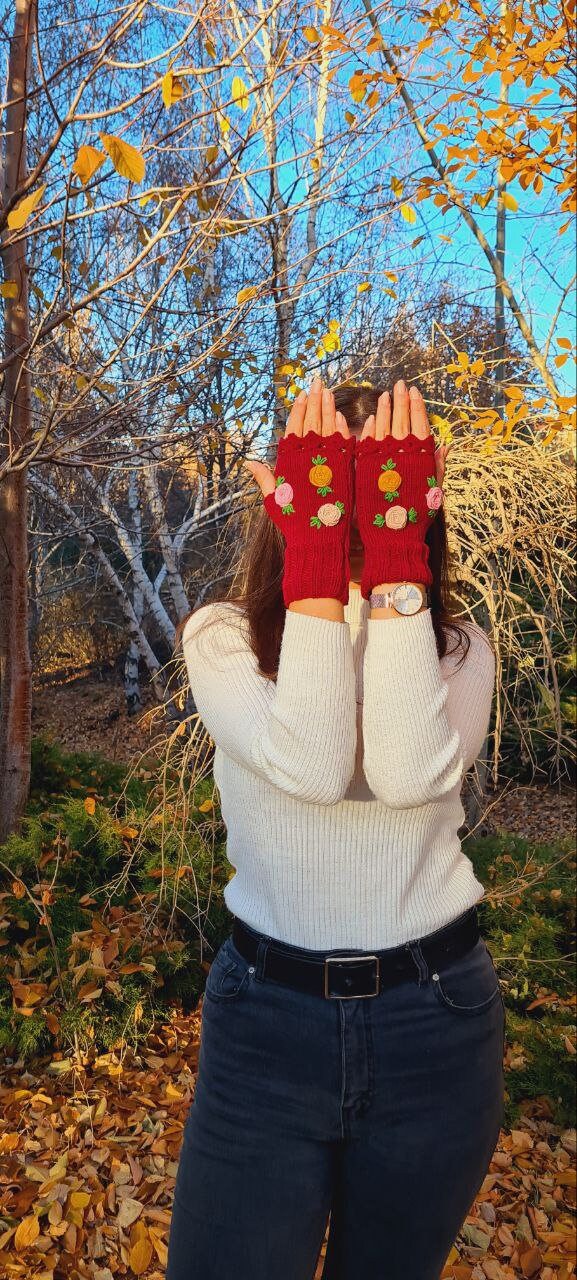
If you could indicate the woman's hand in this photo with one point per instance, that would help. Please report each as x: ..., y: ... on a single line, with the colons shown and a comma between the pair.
x: 312, y: 412
x: 409, y: 415
x: 398, y: 490
x: 310, y: 497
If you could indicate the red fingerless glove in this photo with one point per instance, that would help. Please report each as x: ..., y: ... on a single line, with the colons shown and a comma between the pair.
x: 397, y: 496
x: 312, y: 505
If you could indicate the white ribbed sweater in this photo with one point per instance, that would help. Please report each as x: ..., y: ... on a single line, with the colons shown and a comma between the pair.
x: 340, y: 785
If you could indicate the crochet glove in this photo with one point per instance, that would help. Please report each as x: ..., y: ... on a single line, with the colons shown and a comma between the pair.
x: 312, y: 505
x: 397, y: 497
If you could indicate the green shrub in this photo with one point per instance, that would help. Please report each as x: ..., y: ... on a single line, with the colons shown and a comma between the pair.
x: 104, y: 906
x: 528, y: 921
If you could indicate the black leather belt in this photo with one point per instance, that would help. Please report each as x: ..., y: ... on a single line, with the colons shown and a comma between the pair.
x: 347, y: 974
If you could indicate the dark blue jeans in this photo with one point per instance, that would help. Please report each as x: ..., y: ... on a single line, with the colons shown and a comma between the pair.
x: 383, y: 1112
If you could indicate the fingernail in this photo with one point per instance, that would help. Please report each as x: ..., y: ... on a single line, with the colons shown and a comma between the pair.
x: 401, y: 385
x: 414, y: 391
x: 316, y: 382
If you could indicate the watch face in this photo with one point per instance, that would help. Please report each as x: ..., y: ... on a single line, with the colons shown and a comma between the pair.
x: 406, y: 598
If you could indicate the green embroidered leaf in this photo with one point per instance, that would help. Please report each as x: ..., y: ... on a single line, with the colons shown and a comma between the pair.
x: 431, y: 481
x: 340, y: 505
x: 318, y: 461
x: 325, y: 489
x: 412, y: 515
x: 387, y: 466
x: 279, y: 480
x: 390, y: 496
x: 379, y: 520
x: 289, y: 510
x: 315, y: 522
x: 432, y: 512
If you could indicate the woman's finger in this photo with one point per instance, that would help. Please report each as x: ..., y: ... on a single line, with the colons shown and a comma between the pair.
x: 419, y: 420
x: 296, y: 416
x: 441, y: 455
x: 328, y: 412
x: 401, y: 414
x: 262, y: 474
x: 313, y: 414
x: 369, y: 427
x: 383, y: 416
x: 342, y: 424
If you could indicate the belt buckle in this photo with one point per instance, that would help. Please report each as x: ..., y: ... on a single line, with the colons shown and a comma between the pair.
x: 351, y: 960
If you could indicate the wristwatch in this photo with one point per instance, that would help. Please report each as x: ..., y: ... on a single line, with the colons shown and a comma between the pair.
x: 405, y: 598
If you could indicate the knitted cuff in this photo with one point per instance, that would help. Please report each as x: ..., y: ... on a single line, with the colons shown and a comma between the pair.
x: 397, y: 496
x: 312, y: 505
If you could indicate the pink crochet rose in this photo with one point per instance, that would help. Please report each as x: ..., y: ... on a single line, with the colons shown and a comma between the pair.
x: 434, y: 498
x: 283, y: 494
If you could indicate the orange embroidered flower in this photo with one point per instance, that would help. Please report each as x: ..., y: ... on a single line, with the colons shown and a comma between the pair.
x: 320, y: 475
x: 389, y: 480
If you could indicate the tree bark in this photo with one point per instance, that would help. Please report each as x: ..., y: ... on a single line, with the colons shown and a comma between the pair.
x: 15, y: 661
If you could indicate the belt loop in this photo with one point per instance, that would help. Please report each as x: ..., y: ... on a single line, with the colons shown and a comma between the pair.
x: 262, y: 948
x: 421, y: 963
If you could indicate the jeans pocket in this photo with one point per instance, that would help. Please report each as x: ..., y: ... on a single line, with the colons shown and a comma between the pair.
x: 229, y: 974
x: 469, y: 985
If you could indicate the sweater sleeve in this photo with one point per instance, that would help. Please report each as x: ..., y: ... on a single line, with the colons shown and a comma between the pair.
x: 300, y: 734
x: 424, y: 720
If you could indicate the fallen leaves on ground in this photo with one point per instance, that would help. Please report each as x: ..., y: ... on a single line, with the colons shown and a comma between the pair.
x: 89, y: 1158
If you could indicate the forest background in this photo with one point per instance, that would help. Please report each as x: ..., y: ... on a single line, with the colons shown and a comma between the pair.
x: 203, y: 205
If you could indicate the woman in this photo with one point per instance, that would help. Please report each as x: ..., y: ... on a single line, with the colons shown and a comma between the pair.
x: 352, y: 1040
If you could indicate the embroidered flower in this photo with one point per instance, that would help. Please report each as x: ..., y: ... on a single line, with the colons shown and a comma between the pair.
x: 329, y: 514
x: 320, y: 475
x: 434, y: 495
x: 283, y: 495
x: 389, y: 480
x: 396, y: 517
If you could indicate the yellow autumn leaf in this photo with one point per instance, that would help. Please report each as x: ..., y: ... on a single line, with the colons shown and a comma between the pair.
x: 357, y: 87
x: 408, y: 213
x: 172, y: 89
x: 27, y: 1232
x: 224, y: 124
x: 239, y: 93
x: 311, y: 34
x: 87, y: 162
x: 127, y: 161
x: 90, y: 805
x: 211, y: 154
x: 510, y: 202
x: 141, y: 1256
x: 20, y: 215
x: 566, y: 343
x: 362, y: 288
x: 79, y: 1199
x: 206, y: 806
x: 244, y: 295
x: 397, y: 187
x: 9, y: 289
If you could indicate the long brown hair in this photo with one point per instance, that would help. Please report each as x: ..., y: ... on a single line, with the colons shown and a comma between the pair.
x: 257, y: 585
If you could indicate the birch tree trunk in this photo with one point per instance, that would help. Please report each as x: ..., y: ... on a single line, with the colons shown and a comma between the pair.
x: 15, y: 662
